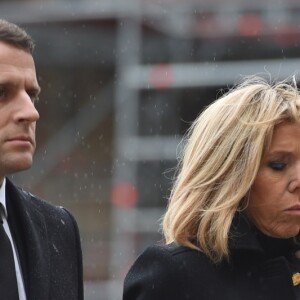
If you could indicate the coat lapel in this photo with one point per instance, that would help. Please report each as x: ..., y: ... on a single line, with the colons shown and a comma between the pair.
x: 30, y: 235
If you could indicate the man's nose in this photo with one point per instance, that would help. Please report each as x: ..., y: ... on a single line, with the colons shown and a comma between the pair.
x: 26, y: 110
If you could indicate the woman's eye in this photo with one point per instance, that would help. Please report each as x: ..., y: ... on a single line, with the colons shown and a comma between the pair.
x: 277, y: 166
x: 2, y: 92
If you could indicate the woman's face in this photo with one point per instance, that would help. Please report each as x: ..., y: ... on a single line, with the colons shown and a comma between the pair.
x: 274, y: 204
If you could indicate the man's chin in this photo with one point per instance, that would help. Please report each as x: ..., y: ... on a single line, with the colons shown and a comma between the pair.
x: 18, y: 165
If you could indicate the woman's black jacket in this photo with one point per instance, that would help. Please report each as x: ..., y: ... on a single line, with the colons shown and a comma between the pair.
x: 170, y: 272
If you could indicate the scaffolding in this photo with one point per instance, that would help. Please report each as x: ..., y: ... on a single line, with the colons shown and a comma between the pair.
x: 189, y: 21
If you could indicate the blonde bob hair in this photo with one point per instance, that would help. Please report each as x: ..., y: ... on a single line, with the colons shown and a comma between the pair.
x: 221, y: 158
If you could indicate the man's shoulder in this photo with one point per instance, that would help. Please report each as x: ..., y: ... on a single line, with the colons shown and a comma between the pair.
x: 33, y: 202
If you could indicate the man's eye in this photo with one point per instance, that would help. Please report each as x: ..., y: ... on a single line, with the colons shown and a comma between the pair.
x: 277, y: 165
x: 33, y: 96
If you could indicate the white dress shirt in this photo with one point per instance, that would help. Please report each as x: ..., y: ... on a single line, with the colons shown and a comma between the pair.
x: 21, y: 290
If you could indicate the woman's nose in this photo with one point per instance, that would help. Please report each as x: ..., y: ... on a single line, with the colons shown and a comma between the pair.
x: 294, y: 184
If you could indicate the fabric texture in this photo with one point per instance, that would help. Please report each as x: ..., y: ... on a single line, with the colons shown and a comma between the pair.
x: 165, y: 272
x: 48, y: 245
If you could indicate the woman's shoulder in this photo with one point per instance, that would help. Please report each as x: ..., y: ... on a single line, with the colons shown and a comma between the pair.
x: 166, y: 272
x: 156, y: 274
x: 172, y: 251
x: 161, y: 255
x: 157, y: 256
x: 173, y: 255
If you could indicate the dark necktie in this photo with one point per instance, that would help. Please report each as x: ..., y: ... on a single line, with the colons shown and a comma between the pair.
x: 8, y: 280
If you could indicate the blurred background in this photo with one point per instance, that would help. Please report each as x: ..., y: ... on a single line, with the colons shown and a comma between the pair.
x: 121, y: 82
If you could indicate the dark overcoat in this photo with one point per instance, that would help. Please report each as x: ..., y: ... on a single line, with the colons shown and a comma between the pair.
x: 48, y: 245
x: 170, y: 272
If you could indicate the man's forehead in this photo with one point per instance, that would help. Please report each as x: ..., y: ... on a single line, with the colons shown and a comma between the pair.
x: 16, y: 65
x: 12, y: 55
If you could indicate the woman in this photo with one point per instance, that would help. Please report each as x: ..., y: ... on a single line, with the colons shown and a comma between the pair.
x: 234, y: 212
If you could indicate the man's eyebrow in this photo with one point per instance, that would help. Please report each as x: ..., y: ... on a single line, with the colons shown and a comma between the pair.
x: 6, y: 82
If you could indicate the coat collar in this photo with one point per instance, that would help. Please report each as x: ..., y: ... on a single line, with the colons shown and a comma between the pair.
x: 244, y: 236
x: 272, y: 265
x: 30, y: 235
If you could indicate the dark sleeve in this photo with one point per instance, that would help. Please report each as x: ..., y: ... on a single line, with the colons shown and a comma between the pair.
x: 156, y: 275
x: 79, y: 256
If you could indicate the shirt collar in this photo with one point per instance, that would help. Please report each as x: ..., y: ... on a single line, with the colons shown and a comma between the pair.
x: 2, y: 197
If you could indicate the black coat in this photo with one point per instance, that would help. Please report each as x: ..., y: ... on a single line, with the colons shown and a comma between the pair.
x: 170, y: 272
x: 48, y: 244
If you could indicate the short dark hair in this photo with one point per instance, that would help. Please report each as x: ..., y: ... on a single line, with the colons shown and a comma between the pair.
x: 14, y: 35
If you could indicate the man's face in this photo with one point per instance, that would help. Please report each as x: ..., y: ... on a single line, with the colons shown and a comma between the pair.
x: 18, y: 91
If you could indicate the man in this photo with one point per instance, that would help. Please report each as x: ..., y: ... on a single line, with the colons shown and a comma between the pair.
x: 44, y: 238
